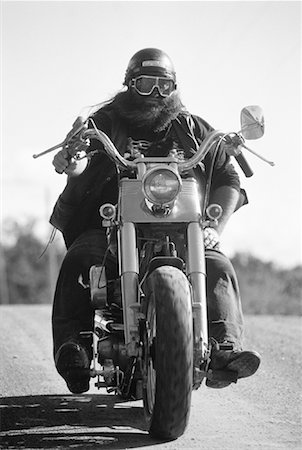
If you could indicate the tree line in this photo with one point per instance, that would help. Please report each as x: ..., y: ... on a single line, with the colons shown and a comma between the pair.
x: 29, y: 270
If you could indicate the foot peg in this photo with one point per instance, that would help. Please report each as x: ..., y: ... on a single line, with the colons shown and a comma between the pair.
x: 221, y: 345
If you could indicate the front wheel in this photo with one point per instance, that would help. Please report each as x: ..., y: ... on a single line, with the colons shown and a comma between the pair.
x: 168, y: 352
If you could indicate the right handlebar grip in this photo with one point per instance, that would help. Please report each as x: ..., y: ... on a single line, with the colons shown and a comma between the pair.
x: 247, y: 170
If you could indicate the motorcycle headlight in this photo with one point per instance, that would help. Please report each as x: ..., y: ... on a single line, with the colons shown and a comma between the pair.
x: 161, y: 185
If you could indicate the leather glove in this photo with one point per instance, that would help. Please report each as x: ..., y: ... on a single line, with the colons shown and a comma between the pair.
x: 211, y: 238
x: 231, y: 145
x: 61, y: 160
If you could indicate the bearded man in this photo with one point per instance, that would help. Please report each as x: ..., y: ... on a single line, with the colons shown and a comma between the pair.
x: 146, y: 117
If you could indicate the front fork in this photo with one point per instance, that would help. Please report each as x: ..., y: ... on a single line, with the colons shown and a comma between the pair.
x: 129, y: 273
x: 196, y: 272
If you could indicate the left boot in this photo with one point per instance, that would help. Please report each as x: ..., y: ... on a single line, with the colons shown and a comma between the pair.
x: 243, y: 363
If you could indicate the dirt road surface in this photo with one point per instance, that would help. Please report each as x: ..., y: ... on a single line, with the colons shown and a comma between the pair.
x: 38, y: 412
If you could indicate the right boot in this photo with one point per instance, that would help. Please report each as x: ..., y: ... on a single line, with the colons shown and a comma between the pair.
x: 73, y: 364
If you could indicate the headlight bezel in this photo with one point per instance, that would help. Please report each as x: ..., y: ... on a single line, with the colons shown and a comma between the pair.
x: 173, y: 176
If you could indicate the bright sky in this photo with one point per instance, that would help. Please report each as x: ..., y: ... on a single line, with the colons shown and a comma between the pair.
x: 58, y: 57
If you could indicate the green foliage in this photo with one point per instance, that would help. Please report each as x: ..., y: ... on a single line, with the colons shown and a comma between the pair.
x: 25, y: 270
x: 267, y: 289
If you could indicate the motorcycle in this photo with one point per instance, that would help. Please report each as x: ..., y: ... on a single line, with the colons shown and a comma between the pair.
x: 152, y: 341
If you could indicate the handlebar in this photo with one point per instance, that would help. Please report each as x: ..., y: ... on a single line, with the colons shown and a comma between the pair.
x: 202, y: 151
x: 110, y: 148
x: 183, y: 166
x: 214, y: 138
x: 123, y: 163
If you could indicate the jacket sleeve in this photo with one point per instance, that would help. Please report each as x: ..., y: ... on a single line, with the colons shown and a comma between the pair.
x: 77, y: 188
x: 224, y: 173
x: 218, y: 165
x: 217, y: 162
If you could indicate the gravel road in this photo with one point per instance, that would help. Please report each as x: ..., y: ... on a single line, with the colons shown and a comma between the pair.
x: 38, y: 412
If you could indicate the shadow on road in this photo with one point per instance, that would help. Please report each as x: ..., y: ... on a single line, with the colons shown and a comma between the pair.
x: 84, y: 422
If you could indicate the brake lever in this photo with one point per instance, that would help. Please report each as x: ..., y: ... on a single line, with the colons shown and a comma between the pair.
x: 271, y: 163
x: 51, y: 149
x: 77, y: 127
x: 239, y: 143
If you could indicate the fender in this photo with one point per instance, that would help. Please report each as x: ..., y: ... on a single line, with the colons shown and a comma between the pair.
x: 159, y: 261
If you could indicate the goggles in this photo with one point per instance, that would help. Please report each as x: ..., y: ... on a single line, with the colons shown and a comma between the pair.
x: 145, y: 85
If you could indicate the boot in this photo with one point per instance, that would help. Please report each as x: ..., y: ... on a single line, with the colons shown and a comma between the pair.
x: 243, y: 363
x: 73, y: 364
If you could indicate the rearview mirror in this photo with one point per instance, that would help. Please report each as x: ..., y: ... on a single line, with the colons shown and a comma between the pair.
x: 252, y: 122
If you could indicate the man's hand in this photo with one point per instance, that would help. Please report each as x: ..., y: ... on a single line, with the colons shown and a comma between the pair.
x: 231, y: 145
x: 64, y: 161
x: 61, y: 161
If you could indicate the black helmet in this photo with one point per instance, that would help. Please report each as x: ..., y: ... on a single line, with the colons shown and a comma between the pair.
x: 150, y: 61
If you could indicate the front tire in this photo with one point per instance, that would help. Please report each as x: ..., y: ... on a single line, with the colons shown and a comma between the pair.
x: 168, y: 353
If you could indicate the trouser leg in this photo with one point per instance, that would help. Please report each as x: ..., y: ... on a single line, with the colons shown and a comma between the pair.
x: 223, y: 297
x: 72, y: 311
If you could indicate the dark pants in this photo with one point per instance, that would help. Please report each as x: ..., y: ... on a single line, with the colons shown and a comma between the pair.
x: 72, y: 312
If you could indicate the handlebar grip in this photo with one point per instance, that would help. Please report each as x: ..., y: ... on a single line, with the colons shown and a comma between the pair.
x: 244, y: 165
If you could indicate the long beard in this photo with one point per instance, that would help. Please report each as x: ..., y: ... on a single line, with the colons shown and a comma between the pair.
x: 143, y: 112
